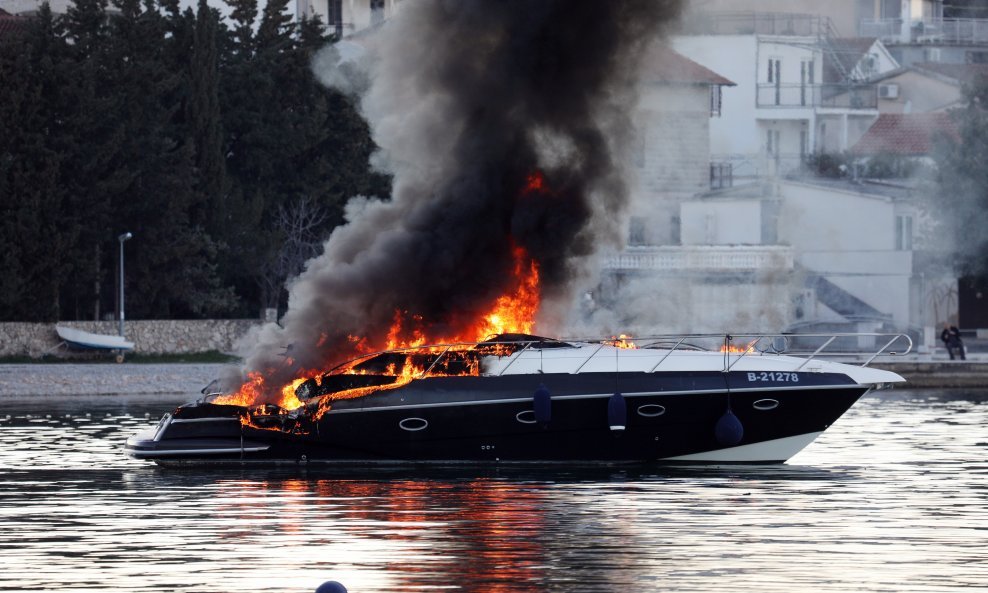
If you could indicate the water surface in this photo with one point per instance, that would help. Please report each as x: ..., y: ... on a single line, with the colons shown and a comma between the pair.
x: 891, y: 498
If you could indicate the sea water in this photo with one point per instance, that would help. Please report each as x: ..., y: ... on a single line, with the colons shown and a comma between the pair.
x: 893, y: 497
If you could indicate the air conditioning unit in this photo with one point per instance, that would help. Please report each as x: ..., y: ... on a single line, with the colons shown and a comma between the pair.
x: 888, y: 91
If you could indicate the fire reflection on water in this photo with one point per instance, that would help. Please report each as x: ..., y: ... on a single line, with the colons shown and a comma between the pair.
x: 500, y: 544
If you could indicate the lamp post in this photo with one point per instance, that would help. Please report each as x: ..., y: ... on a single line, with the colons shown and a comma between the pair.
x: 122, y: 238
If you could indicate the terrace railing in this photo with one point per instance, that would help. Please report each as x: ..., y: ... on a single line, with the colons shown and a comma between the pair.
x: 676, y: 258
x: 827, y: 96
x: 945, y: 31
x: 758, y: 23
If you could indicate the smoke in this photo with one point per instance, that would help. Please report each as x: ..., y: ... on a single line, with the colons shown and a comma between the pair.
x: 467, y: 99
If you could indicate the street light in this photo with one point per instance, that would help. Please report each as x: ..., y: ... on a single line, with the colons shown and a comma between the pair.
x: 122, y: 238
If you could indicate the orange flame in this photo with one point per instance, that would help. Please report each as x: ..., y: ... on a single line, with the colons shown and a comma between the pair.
x: 512, y: 312
x: 535, y: 182
x: 515, y: 312
x: 732, y: 349
x: 624, y: 341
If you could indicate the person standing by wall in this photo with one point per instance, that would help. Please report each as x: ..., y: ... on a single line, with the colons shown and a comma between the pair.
x: 951, y: 337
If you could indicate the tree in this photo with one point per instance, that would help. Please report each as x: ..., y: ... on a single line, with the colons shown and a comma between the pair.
x: 288, y: 139
x: 33, y: 239
x: 963, y: 181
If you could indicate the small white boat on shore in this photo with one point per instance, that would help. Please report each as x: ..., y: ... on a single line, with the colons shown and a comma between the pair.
x: 89, y: 341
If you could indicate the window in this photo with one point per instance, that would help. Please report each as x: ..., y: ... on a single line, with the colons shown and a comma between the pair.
x: 869, y: 65
x: 976, y: 57
x: 377, y: 11
x: 806, y: 77
x: 334, y: 16
x: 715, y: 100
x: 638, y: 146
x: 775, y: 77
x: 774, y: 65
x: 636, y: 231
x: 721, y: 175
x: 772, y: 142
x: 903, y: 233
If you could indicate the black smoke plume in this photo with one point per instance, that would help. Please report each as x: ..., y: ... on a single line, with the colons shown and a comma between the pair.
x: 467, y: 99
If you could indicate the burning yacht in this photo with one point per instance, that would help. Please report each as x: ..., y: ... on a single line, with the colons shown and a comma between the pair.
x: 519, y: 398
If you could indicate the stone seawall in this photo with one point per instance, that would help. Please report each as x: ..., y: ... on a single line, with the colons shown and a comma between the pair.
x: 940, y: 374
x: 149, y: 336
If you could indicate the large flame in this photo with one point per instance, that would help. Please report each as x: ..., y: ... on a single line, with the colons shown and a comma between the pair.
x: 514, y: 311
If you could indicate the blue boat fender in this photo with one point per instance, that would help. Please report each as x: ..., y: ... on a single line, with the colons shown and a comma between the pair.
x: 617, y: 412
x: 729, y: 430
x: 542, y: 404
x: 331, y: 587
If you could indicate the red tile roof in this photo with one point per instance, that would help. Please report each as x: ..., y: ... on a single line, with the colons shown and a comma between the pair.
x: 905, y: 133
x: 10, y: 23
x: 665, y: 66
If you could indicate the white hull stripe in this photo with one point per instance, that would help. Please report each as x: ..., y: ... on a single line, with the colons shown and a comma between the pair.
x: 519, y: 400
x: 160, y: 452
x: 774, y: 450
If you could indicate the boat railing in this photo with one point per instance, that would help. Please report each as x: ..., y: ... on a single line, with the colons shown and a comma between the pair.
x: 858, y: 346
x: 865, y: 347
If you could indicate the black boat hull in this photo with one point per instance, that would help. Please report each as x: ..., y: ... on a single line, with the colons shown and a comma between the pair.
x: 666, y: 417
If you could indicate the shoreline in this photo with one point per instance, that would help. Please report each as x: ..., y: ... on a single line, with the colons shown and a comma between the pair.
x: 111, y: 379
x: 946, y: 374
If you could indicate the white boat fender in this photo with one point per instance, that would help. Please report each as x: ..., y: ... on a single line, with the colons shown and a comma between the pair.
x: 728, y: 429
x: 617, y: 412
x: 542, y: 404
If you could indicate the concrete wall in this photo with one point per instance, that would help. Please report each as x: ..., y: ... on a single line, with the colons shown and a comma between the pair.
x: 149, y: 336
x: 922, y: 94
x: 722, y: 222
x: 733, y: 57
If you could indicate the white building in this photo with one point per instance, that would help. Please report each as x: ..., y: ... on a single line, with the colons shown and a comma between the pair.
x: 346, y: 17
x: 851, y: 244
x: 657, y: 285
x: 800, y: 89
x: 671, y: 156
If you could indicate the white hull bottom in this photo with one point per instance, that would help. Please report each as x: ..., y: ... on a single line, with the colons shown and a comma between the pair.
x: 774, y: 450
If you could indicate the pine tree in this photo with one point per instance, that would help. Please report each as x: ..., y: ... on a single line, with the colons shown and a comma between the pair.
x: 32, y: 238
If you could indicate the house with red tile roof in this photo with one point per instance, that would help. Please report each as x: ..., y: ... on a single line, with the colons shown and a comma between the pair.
x: 801, y: 89
x: 927, y: 86
x: 906, y: 134
x: 671, y: 154
x: 10, y: 24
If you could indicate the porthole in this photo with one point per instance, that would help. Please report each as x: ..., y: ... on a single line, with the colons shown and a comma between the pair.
x: 765, y: 404
x: 651, y: 410
x: 413, y: 424
x: 526, y: 417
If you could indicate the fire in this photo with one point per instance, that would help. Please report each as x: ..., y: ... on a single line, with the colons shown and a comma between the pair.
x: 514, y: 311
x: 535, y: 182
x: 732, y: 349
x: 624, y: 341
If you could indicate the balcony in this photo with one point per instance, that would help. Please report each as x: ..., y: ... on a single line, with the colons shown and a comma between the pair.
x: 827, y: 96
x: 707, y: 258
x: 941, y: 31
x: 758, y: 23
